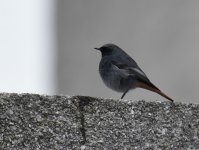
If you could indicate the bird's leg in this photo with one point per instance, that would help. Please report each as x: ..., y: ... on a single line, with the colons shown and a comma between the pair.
x: 124, y: 93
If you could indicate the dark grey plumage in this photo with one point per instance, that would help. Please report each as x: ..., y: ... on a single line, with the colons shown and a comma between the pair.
x: 121, y: 73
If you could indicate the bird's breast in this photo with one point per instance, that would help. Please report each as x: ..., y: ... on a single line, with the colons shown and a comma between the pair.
x: 110, y: 76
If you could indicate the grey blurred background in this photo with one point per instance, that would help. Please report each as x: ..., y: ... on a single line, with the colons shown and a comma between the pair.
x: 162, y: 36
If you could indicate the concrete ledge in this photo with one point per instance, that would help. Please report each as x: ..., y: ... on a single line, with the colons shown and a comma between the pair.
x: 30, y: 121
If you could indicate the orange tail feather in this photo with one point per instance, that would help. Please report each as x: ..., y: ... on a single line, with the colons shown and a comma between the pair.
x: 151, y: 87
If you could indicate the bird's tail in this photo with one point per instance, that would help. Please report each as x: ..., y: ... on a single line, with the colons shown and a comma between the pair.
x: 164, y: 95
x: 150, y: 86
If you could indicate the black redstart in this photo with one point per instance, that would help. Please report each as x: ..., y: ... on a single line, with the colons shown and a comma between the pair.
x: 121, y: 73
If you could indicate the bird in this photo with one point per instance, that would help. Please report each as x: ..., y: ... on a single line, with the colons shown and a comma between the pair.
x: 121, y: 73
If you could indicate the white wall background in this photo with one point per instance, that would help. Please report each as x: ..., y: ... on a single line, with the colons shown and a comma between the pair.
x: 27, y: 46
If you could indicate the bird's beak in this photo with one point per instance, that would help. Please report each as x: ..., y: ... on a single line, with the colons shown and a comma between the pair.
x: 97, y: 49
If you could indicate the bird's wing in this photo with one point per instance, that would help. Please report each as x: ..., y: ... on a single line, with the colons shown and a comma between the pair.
x: 134, y: 72
x: 129, y: 70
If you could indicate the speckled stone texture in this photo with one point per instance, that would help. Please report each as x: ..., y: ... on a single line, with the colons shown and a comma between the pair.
x: 30, y: 121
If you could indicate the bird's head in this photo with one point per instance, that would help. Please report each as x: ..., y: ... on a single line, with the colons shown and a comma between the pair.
x: 109, y: 49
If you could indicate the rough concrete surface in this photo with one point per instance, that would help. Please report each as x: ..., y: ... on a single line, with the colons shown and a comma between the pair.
x: 30, y: 121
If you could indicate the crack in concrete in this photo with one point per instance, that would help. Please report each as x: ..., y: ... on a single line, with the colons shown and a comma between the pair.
x: 82, y: 102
